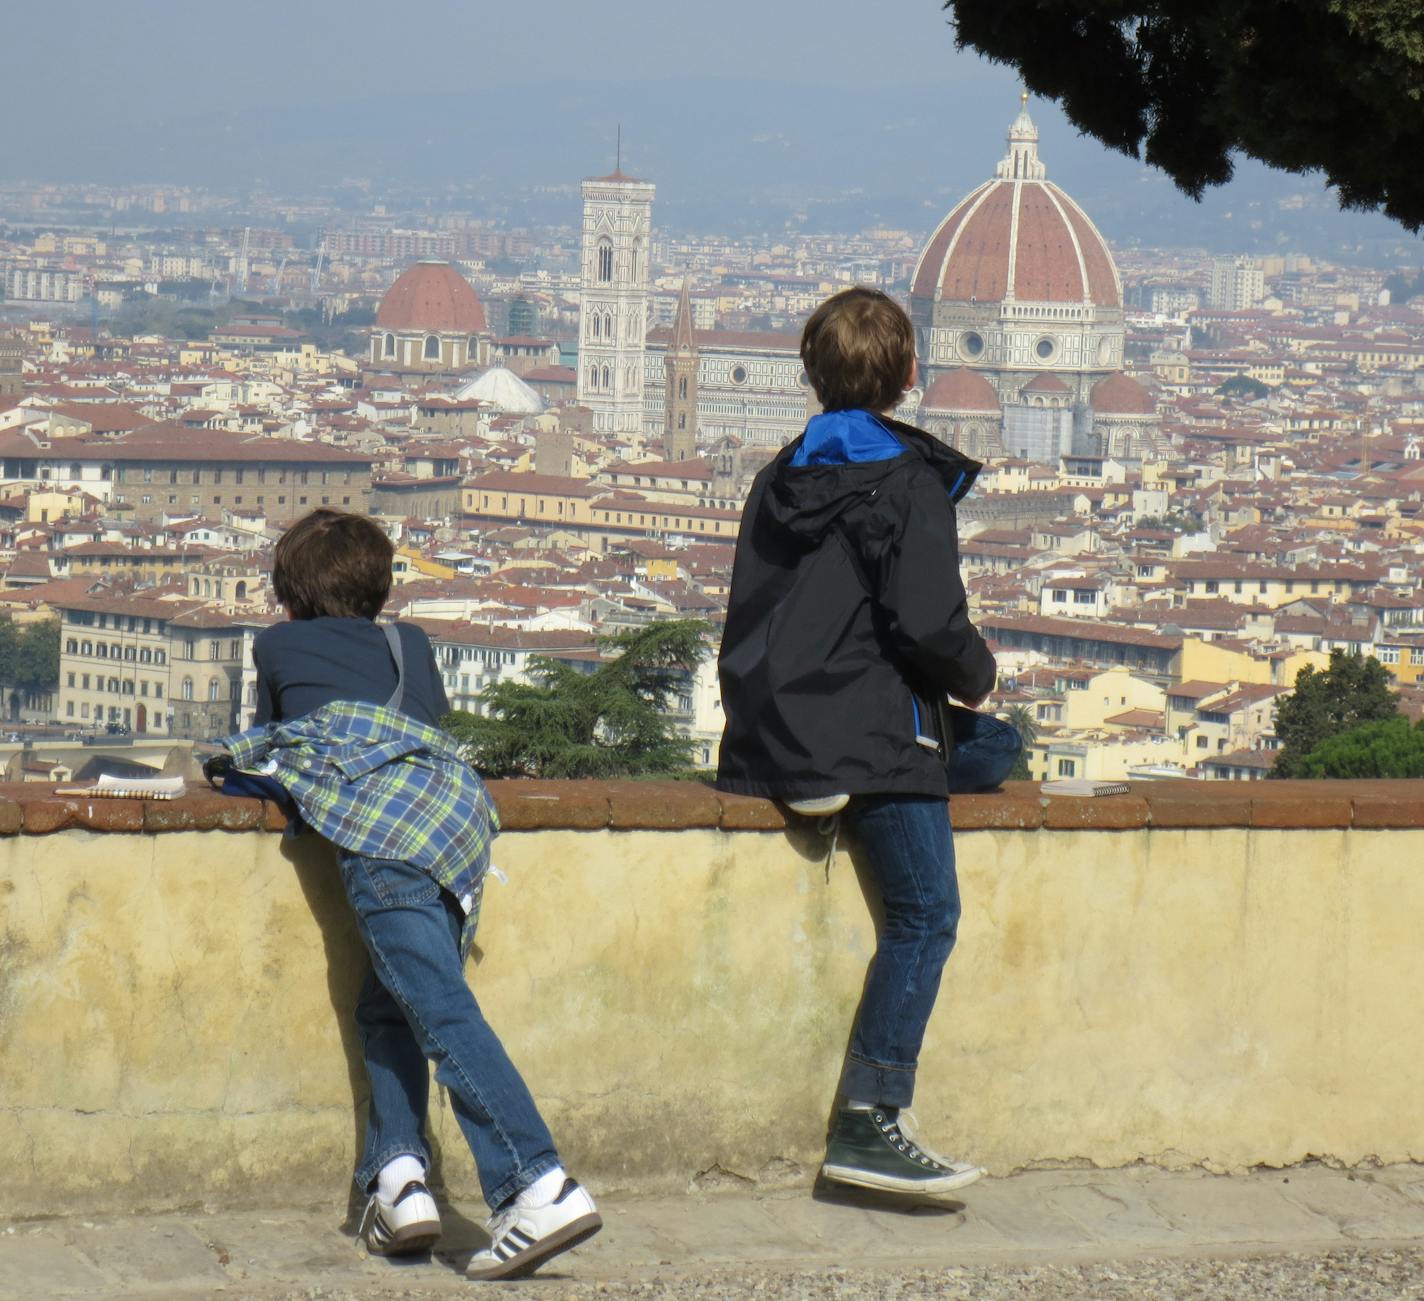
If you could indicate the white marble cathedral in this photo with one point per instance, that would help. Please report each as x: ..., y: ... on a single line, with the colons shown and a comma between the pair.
x: 613, y: 300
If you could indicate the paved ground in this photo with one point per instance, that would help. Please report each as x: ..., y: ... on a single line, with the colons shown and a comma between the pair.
x: 1139, y: 1233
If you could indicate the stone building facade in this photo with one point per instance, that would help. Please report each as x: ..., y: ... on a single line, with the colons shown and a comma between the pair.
x: 613, y: 301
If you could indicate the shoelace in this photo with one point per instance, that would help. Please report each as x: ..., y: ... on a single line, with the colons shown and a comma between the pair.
x: 902, y: 1141
x: 500, y: 1223
x: 909, y: 1127
x: 830, y: 827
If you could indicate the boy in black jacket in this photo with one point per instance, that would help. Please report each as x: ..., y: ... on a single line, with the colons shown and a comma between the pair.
x: 847, y: 631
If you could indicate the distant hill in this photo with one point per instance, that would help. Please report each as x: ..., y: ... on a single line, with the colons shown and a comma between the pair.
x: 725, y: 154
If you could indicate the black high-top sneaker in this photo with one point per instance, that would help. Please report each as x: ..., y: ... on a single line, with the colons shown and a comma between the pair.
x: 867, y: 1148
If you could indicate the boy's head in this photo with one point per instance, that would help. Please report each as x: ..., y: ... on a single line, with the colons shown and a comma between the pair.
x: 332, y: 563
x: 859, y: 351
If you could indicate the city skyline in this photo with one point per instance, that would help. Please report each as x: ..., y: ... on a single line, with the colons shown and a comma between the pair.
x: 480, y: 110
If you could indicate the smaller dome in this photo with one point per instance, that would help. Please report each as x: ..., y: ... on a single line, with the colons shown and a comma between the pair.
x: 1120, y: 395
x: 503, y: 390
x: 1045, y: 384
x: 432, y: 296
x: 960, y: 389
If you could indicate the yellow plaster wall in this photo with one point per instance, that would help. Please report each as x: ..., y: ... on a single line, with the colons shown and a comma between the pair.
x: 174, y: 1009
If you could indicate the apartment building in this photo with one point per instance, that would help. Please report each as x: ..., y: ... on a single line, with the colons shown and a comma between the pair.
x: 166, y: 666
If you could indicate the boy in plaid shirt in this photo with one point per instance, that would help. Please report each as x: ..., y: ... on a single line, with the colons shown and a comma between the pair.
x: 348, y: 722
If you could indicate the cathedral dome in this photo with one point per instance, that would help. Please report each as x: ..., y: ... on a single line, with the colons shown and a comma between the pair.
x: 960, y: 389
x: 432, y: 296
x: 1121, y: 395
x: 1017, y: 238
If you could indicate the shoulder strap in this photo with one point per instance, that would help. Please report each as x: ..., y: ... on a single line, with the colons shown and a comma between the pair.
x: 394, y: 642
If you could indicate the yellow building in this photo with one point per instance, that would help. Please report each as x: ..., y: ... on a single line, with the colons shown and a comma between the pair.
x: 1200, y: 660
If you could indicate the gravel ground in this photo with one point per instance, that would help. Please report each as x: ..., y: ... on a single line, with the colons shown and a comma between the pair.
x: 1374, y: 1273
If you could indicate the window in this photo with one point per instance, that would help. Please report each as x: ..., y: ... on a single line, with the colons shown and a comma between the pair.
x: 1388, y: 654
x: 605, y: 261
x: 1212, y: 586
x: 214, y: 650
x: 69, y: 707
x: 431, y: 351
x: 682, y: 387
x: 388, y: 345
x: 160, y: 657
x: 1201, y: 743
x: 71, y: 647
x: 158, y: 692
x: 1060, y: 598
x: 187, y: 688
x: 214, y: 689
x: 1067, y: 767
x: 84, y: 681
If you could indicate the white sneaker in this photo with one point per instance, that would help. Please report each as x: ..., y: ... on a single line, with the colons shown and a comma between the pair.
x: 409, y: 1224
x: 523, y: 1237
x: 820, y: 807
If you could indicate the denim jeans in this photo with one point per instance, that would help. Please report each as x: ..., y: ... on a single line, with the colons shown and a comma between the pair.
x: 908, y: 847
x: 416, y: 1004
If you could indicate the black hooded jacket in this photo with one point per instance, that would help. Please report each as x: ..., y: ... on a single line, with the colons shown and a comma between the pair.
x: 847, y: 625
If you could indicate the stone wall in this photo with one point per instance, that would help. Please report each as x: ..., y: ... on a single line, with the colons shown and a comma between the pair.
x: 1217, y: 975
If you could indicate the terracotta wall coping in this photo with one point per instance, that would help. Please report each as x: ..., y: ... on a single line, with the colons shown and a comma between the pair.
x: 34, y: 808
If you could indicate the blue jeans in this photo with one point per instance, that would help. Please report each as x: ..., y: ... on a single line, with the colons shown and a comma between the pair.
x: 908, y: 847
x: 416, y: 1004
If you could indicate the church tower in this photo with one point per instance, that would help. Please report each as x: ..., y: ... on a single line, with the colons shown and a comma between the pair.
x: 680, y: 365
x: 613, y: 300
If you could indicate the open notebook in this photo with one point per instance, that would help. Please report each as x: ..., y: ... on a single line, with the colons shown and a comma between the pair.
x: 130, y: 788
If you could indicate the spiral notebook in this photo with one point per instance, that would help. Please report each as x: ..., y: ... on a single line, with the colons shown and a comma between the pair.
x: 110, y: 787
x: 1084, y: 786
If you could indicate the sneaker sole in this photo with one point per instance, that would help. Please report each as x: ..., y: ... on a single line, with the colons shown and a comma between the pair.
x: 407, y: 1240
x: 527, y: 1261
x: 842, y: 1174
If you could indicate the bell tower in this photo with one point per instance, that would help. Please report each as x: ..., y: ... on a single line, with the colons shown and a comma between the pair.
x: 613, y: 300
x: 680, y: 366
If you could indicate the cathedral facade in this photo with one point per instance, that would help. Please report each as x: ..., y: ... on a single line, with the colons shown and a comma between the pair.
x: 1016, y: 289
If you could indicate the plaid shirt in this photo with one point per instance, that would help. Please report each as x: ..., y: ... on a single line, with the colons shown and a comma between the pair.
x: 377, y: 782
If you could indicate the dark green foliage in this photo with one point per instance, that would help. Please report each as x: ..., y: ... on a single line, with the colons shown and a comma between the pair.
x: 29, y: 655
x: 1244, y: 388
x: 1175, y: 521
x: 1329, y: 85
x: 1325, y: 703
x: 1021, y: 716
x: 610, y: 722
x: 1389, y: 749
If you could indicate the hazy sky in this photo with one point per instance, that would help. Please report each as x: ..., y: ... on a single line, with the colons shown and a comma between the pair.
x: 155, y: 54
x: 734, y: 108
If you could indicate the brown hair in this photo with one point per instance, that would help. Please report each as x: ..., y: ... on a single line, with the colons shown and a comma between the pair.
x: 333, y: 563
x: 858, y: 349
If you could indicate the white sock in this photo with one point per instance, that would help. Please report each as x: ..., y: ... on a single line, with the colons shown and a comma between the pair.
x: 396, y: 1174
x: 544, y: 1189
x: 854, y: 1104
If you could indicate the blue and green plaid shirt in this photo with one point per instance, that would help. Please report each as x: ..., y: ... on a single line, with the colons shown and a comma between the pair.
x: 375, y: 781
